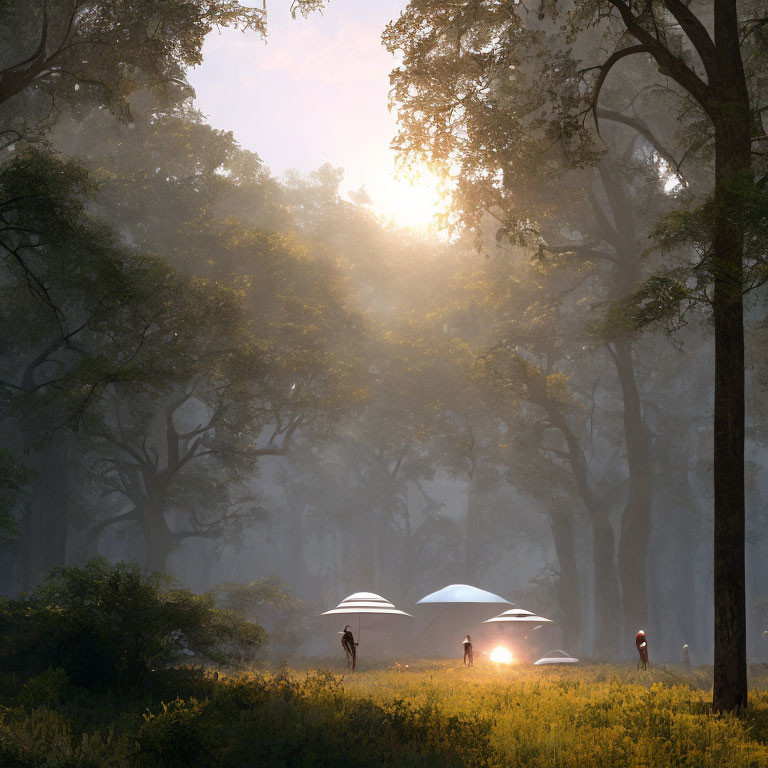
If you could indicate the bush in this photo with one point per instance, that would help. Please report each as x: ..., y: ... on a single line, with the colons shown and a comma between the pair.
x: 284, y: 722
x: 267, y: 602
x: 434, y: 714
x: 49, y: 687
x: 112, y: 626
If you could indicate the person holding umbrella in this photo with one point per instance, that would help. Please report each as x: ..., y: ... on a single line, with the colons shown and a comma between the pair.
x: 350, y: 646
x: 364, y: 605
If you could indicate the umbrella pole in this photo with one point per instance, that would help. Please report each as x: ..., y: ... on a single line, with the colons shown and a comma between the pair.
x: 359, y: 621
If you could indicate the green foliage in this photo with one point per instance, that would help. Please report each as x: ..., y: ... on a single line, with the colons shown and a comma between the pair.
x: 689, y: 232
x: 87, y: 53
x: 432, y: 714
x: 74, y: 302
x: 44, y: 738
x: 662, y: 300
x: 174, y: 736
x: 49, y: 688
x: 112, y: 626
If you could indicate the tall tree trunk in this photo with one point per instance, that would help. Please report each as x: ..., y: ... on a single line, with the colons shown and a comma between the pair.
x: 606, y: 585
x: 732, y: 151
x: 158, y: 537
x: 159, y: 545
x: 635, y: 531
x: 636, y: 520
x: 48, y: 518
x: 731, y: 117
x: 569, y: 588
x: 606, y: 578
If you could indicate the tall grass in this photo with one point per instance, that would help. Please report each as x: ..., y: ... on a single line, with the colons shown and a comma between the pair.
x: 429, y: 714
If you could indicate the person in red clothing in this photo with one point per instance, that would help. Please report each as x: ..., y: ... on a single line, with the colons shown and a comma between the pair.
x: 642, y: 648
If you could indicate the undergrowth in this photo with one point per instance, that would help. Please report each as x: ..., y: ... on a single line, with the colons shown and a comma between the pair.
x: 428, y: 714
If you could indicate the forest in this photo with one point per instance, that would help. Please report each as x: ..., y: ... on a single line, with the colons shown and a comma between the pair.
x: 231, y: 396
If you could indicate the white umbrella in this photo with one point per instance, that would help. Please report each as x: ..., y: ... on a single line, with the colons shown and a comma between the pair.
x: 461, y: 593
x: 555, y: 657
x: 518, y: 616
x: 364, y: 603
x: 453, y: 609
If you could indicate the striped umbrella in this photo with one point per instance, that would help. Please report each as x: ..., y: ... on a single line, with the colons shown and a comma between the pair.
x: 364, y: 603
x: 518, y: 616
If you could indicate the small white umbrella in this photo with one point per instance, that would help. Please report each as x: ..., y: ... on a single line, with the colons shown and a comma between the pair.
x: 518, y: 616
x: 364, y: 603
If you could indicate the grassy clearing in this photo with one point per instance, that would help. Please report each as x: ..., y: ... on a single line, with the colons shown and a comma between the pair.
x: 430, y: 714
x: 602, y: 715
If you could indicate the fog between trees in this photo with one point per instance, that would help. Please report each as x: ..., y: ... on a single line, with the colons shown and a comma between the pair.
x: 229, y: 376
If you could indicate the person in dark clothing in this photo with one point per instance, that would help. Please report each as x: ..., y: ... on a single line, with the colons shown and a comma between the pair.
x: 350, y: 646
x: 642, y: 648
x: 467, y: 643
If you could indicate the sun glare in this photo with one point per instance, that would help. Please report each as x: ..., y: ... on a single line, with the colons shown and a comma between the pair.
x: 501, y: 655
x: 415, y: 199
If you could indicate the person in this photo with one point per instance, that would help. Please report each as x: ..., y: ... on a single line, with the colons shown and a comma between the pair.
x: 467, y: 643
x: 350, y: 646
x: 642, y: 648
x: 686, y: 657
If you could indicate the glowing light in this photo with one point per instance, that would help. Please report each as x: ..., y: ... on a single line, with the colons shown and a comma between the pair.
x: 501, y: 655
x: 414, y: 199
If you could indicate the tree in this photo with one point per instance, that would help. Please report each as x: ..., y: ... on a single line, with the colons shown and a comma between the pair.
x: 181, y: 439
x: 72, y: 323
x: 80, y: 54
x: 489, y: 124
x: 293, y: 324
x: 251, y: 369
x: 92, y: 52
x: 710, y: 74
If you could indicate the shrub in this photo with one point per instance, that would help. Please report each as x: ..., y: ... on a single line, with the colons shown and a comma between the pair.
x: 49, y: 687
x: 283, y: 722
x: 268, y: 602
x: 112, y: 626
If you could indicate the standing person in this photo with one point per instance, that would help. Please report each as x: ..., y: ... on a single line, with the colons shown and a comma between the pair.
x: 686, y: 657
x: 350, y: 646
x: 642, y: 648
x: 467, y: 643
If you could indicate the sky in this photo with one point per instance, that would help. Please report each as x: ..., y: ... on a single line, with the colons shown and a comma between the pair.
x: 315, y: 93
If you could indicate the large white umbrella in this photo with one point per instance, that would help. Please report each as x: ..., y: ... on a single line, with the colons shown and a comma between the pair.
x: 452, y: 611
x: 518, y: 616
x: 461, y: 593
x: 367, y: 603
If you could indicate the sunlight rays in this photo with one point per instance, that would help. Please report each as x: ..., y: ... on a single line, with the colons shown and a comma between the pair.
x: 415, y: 198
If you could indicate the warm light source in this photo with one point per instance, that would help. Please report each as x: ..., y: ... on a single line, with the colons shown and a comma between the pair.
x: 501, y: 655
x: 413, y: 199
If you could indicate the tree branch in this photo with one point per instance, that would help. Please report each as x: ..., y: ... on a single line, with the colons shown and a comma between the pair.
x: 667, y: 62
x: 697, y: 34
x: 580, y: 250
x: 605, y: 68
x: 642, y: 128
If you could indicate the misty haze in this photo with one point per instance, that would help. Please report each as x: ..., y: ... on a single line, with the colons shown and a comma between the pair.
x: 383, y: 383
